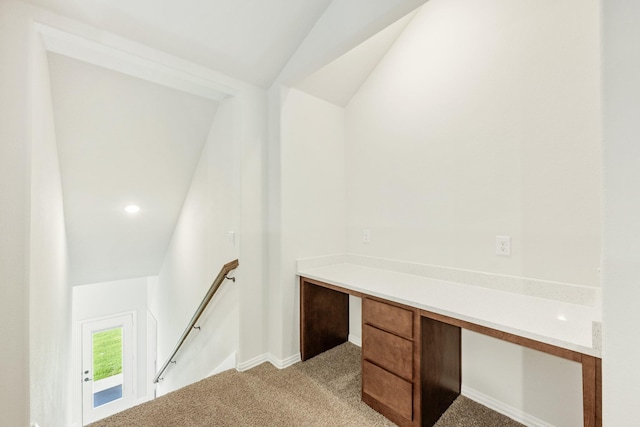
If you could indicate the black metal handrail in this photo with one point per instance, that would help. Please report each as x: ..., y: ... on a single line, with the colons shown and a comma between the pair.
x: 223, y: 274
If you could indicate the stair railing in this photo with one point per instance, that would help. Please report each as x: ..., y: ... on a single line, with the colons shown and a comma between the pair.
x: 222, y: 275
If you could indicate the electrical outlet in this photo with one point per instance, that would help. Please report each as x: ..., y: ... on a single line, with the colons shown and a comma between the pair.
x: 366, y: 235
x: 503, y: 245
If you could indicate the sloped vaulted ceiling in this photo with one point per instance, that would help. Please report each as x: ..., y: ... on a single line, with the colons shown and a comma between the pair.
x: 250, y: 40
x: 124, y: 140
x: 121, y: 141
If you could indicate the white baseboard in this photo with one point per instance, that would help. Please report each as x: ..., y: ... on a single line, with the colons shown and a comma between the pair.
x: 356, y: 340
x: 504, y: 409
x: 268, y: 357
x: 252, y: 363
x: 228, y: 363
x: 284, y: 363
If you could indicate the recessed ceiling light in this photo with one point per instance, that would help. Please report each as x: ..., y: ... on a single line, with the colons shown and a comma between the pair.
x: 132, y: 209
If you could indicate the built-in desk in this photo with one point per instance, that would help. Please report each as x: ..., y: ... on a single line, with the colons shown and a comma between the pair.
x: 411, y: 372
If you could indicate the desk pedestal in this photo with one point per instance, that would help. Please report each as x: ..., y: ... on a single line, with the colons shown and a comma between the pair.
x: 324, y: 319
x: 441, y: 368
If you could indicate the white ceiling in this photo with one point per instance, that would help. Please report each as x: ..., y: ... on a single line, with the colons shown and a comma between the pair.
x: 125, y: 140
x: 338, y: 81
x: 250, y: 40
x: 122, y: 140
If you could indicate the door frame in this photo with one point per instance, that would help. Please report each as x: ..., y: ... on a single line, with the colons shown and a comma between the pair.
x: 129, y: 367
x: 152, y: 354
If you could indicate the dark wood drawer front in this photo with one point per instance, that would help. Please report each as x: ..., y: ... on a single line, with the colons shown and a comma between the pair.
x: 388, y: 389
x: 389, y: 351
x: 388, y: 317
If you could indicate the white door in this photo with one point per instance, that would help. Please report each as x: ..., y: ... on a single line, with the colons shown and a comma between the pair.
x: 107, y: 367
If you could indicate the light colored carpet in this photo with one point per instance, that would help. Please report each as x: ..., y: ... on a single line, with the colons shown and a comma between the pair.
x: 323, y: 391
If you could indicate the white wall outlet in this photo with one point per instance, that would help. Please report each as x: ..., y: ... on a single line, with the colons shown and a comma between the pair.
x: 503, y: 245
x: 366, y: 235
x: 231, y: 237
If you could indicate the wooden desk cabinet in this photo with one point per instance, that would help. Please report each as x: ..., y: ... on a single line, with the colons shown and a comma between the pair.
x: 395, y: 381
x: 390, y: 360
x: 411, y: 358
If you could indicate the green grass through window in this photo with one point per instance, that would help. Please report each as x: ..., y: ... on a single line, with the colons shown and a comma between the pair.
x: 107, y: 353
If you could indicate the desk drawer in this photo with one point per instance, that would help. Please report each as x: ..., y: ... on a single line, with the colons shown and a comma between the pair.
x: 388, y: 389
x: 388, y: 351
x: 394, y: 319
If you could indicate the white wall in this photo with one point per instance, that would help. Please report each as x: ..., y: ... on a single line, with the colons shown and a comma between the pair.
x: 621, y: 284
x: 250, y: 165
x: 483, y: 120
x: 530, y: 386
x: 249, y: 127
x: 342, y: 27
x: 312, y: 203
x: 50, y: 293
x: 475, y: 124
x: 478, y: 123
x: 35, y: 301
x: 106, y: 299
x: 14, y: 211
x: 199, y: 247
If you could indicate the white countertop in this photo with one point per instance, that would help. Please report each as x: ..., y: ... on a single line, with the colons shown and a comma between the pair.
x: 553, y: 322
